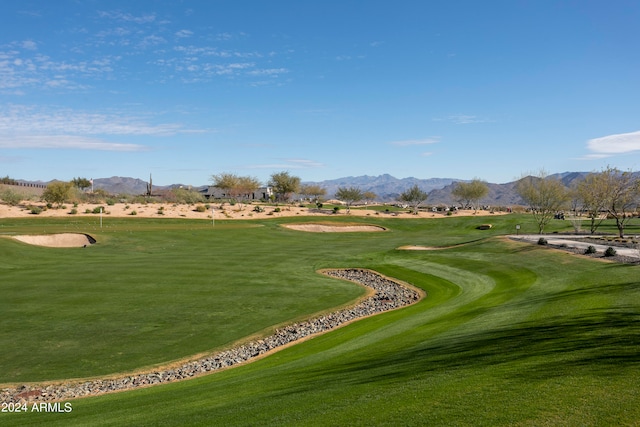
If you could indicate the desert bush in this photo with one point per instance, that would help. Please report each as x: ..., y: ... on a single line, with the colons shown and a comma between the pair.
x: 183, y: 195
x: 542, y: 241
x: 97, y: 210
x: 610, y: 252
x: 73, y: 211
x: 10, y: 197
x: 35, y: 210
x: 590, y: 250
x: 201, y: 208
x: 133, y: 213
x: 258, y: 209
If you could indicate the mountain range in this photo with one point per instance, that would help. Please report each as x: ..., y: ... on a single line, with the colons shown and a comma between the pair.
x: 385, y: 186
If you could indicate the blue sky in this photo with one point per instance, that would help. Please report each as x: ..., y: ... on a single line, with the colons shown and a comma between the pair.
x: 325, y: 89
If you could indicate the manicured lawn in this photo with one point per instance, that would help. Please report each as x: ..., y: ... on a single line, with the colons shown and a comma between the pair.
x: 509, y: 334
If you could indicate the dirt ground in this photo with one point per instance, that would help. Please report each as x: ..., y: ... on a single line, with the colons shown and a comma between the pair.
x: 159, y: 210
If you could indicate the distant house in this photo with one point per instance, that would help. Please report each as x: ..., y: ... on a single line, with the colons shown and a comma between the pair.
x: 262, y: 193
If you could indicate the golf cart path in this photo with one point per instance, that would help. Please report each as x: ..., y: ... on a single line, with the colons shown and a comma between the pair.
x: 574, y: 241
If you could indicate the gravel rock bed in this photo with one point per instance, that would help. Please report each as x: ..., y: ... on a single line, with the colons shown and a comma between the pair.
x: 388, y: 295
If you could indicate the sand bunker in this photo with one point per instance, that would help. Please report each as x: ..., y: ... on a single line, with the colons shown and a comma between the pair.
x: 64, y: 240
x: 334, y: 228
x: 424, y: 248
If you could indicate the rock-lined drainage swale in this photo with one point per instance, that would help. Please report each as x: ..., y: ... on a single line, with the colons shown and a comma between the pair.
x: 388, y: 295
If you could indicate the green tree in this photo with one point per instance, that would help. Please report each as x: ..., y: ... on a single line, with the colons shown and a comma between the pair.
x: 10, y: 197
x: 81, y: 183
x: 57, y: 192
x: 545, y: 197
x: 245, y: 186
x: 349, y: 195
x: 227, y: 182
x: 414, y: 196
x: 469, y: 194
x: 370, y: 196
x: 284, y: 184
x: 313, y: 192
x: 184, y: 195
x: 8, y: 181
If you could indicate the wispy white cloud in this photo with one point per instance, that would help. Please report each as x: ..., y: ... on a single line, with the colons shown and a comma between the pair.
x: 615, y: 144
x: 32, y: 70
x: 29, y: 45
x: 18, y: 120
x: 462, y: 119
x: 27, y: 66
x: 593, y: 157
x: 117, y: 15
x: 152, y: 40
x: 409, y: 142
x: 184, y: 33
x: 268, y: 72
x: 305, y: 163
x: 65, y: 142
x: 288, y: 164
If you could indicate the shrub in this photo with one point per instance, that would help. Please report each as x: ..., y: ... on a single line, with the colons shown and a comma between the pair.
x: 73, y: 211
x: 97, y: 210
x: 11, y: 197
x: 590, y: 250
x: 542, y: 241
x: 258, y: 209
x: 336, y: 209
x: 201, y: 208
x: 36, y: 210
x: 276, y: 210
x: 133, y: 213
x: 610, y: 252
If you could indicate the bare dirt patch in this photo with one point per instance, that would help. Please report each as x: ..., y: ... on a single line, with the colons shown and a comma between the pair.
x: 64, y: 240
x: 334, y: 228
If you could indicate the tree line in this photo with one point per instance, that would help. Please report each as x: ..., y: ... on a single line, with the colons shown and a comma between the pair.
x: 609, y: 193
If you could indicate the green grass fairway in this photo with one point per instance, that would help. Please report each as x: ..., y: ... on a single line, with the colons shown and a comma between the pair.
x: 509, y: 333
